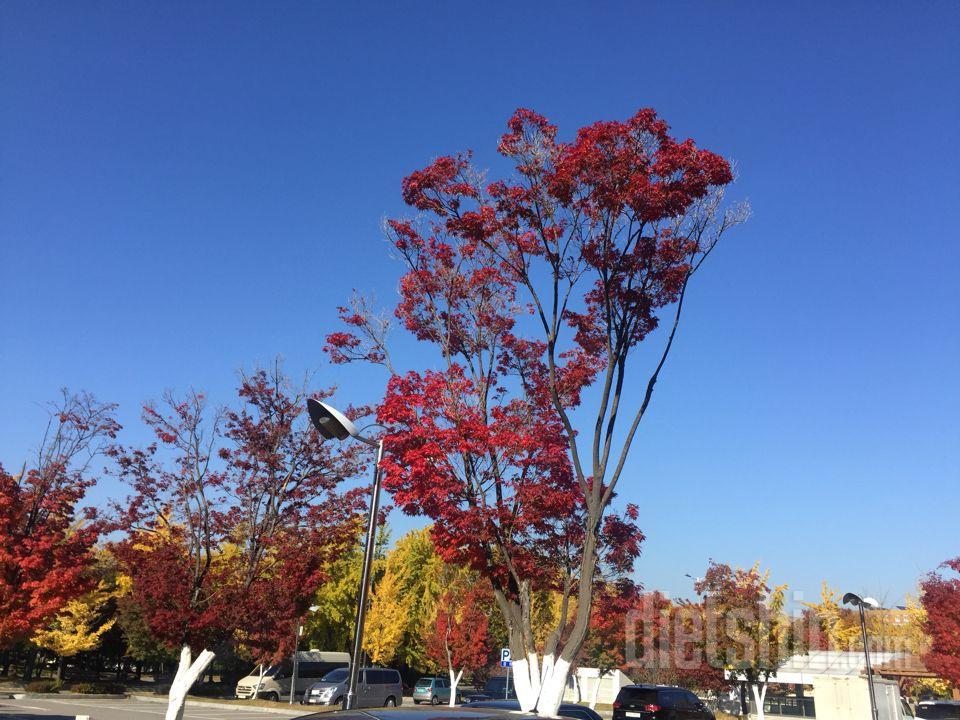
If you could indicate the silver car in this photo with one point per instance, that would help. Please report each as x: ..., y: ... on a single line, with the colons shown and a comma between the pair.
x: 376, y: 687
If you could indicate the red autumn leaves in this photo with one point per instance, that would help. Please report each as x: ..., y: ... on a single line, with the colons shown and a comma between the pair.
x: 233, y: 517
x: 45, y: 539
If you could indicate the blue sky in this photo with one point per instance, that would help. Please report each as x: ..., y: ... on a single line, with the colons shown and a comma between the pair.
x: 191, y: 188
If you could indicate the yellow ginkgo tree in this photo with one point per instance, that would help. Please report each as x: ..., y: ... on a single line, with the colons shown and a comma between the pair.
x: 840, y: 625
x: 78, y: 627
x: 386, y: 620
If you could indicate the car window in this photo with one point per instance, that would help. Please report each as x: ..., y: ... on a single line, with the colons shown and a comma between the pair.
x: 672, y: 699
x: 336, y: 676
x: 638, y: 696
x: 424, y: 683
x: 692, y: 700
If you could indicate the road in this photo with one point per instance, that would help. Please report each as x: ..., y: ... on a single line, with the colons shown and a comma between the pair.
x: 68, y: 709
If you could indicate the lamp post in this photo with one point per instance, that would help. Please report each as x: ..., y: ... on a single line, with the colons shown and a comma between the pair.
x: 861, y: 602
x: 296, y: 651
x: 333, y: 424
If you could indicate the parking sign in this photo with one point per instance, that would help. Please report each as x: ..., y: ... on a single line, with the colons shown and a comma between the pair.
x: 505, y: 660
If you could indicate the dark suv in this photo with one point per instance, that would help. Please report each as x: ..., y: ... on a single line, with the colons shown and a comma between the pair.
x: 659, y: 702
x: 496, y: 688
x: 938, y: 710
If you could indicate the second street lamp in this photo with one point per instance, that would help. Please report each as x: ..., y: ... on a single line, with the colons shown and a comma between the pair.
x: 296, y: 653
x: 861, y: 602
x: 333, y: 424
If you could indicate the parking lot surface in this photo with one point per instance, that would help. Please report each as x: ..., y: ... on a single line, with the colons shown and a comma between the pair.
x: 68, y: 709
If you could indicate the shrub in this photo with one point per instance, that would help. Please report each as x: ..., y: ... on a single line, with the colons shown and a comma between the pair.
x: 42, y: 686
x: 98, y: 688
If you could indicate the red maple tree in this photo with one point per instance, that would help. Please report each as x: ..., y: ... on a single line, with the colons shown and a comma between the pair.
x: 45, y: 538
x: 460, y: 640
x: 941, y: 599
x: 535, y: 293
x: 234, y: 517
x: 649, y: 637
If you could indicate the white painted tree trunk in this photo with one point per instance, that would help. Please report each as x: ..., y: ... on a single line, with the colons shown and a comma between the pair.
x: 187, y: 674
x: 454, y: 681
x: 260, y: 676
x: 540, y: 686
x: 759, y: 693
x: 596, y: 692
x: 552, y: 685
x: 526, y: 681
x: 576, y: 687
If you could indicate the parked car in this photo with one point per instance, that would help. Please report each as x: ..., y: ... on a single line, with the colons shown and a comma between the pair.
x: 938, y: 710
x: 376, y: 687
x: 275, y: 684
x: 659, y: 702
x: 495, y: 688
x: 433, y: 690
x: 570, y: 710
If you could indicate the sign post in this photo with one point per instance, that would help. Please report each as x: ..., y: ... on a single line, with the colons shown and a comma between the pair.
x: 507, y: 662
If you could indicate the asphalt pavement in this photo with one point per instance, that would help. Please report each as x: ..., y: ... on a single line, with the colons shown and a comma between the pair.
x: 129, y: 709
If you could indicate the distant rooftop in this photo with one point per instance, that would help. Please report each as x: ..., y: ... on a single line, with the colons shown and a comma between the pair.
x: 802, y: 669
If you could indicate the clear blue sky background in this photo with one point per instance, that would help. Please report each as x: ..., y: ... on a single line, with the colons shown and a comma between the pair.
x: 188, y: 188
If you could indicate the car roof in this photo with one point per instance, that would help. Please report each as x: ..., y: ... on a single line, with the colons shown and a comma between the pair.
x: 651, y: 687
x: 431, y: 712
x: 515, y: 705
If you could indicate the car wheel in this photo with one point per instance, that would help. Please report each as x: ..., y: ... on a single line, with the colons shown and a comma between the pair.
x: 272, y: 696
x: 416, y: 702
x: 390, y: 702
x: 338, y: 701
x: 434, y: 700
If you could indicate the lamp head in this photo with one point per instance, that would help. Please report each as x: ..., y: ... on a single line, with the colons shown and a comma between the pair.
x: 852, y: 599
x: 856, y: 600
x: 333, y: 424
x: 330, y: 422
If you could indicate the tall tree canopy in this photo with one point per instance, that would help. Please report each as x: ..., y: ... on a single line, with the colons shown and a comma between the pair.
x: 235, y: 516
x: 45, y: 538
x: 941, y: 600
x: 532, y: 289
x: 746, y: 629
x: 458, y: 639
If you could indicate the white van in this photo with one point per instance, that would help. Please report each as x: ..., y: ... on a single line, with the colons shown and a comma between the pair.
x: 275, y: 683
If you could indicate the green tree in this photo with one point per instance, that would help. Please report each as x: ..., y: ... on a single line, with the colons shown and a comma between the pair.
x: 330, y: 627
x: 420, y: 579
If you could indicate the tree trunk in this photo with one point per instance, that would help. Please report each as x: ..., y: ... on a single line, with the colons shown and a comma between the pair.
x: 187, y: 674
x: 260, y: 676
x: 454, y: 681
x: 759, y: 693
x: 596, y: 691
x: 61, y: 668
x: 29, y: 664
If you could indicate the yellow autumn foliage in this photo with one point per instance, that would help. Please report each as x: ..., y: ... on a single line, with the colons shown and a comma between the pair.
x: 386, y: 620
x: 75, y: 629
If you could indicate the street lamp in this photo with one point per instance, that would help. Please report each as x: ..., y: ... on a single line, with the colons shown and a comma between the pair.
x: 861, y: 603
x: 333, y: 424
x: 296, y: 651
